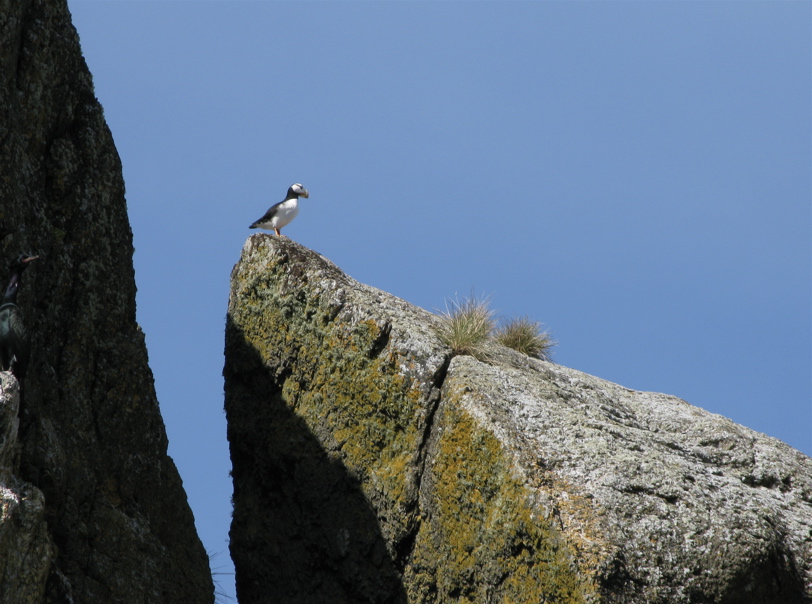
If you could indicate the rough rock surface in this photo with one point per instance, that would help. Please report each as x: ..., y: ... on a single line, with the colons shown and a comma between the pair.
x: 663, y: 501
x: 27, y: 550
x: 371, y: 466
x: 328, y: 408
x: 92, y: 446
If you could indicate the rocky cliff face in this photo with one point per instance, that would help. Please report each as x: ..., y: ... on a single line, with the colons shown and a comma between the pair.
x: 371, y: 466
x: 89, y: 476
x: 26, y: 547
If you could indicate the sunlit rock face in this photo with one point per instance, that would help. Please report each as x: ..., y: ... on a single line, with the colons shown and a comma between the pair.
x: 371, y: 465
x: 91, y: 442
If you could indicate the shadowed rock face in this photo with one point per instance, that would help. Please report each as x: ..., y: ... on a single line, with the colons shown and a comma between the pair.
x: 27, y: 550
x: 91, y: 440
x: 311, y: 482
x: 370, y: 466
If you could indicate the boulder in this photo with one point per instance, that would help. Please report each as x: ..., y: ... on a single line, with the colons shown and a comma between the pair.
x: 372, y: 465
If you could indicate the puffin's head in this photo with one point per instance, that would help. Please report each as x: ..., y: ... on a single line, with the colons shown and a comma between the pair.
x: 22, y: 261
x: 297, y: 190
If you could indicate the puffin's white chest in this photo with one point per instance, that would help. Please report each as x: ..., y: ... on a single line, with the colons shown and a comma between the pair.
x: 286, y: 212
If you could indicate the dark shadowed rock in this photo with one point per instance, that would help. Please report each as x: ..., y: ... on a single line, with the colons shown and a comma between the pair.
x: 27, y: 550
x: 92, y: 446
x: 330, y: 389
x: 367, y: 468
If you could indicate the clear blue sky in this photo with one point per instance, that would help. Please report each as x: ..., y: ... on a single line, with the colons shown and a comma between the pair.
x: 635, y: 175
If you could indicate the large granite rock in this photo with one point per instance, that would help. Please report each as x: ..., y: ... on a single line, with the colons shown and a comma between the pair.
x: 661, y: 501
x: 330, y: 390
x: 92, y: 446
x: 371, y: 466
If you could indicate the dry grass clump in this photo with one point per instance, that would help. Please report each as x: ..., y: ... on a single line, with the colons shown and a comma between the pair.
x: 467, y: 325
x: 525, y: 336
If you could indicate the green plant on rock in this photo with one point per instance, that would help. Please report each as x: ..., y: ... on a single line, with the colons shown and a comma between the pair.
x: 525, y: 336
x: 466, y: 326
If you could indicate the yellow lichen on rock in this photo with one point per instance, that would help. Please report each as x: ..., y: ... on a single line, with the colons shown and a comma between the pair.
x: 485, y: 542
x: 371, y: 465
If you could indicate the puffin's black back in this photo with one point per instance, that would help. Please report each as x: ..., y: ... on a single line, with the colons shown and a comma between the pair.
x: 15, y: 344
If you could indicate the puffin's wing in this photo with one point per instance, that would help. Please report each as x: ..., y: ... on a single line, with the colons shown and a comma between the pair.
x: 6, y: 347
x: 268, y: 215
x: 22, y: 344
x: 15, y: 343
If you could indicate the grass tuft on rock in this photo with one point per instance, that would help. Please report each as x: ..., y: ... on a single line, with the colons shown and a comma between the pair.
x: 466, y: 326
x: 525, y: 336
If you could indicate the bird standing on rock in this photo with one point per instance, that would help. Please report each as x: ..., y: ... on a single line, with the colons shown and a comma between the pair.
x: 280, y: 214
x: 14, y: 342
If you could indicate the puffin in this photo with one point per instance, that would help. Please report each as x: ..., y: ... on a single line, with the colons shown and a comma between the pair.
x: 280, y: 214
x: 14, y: 342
